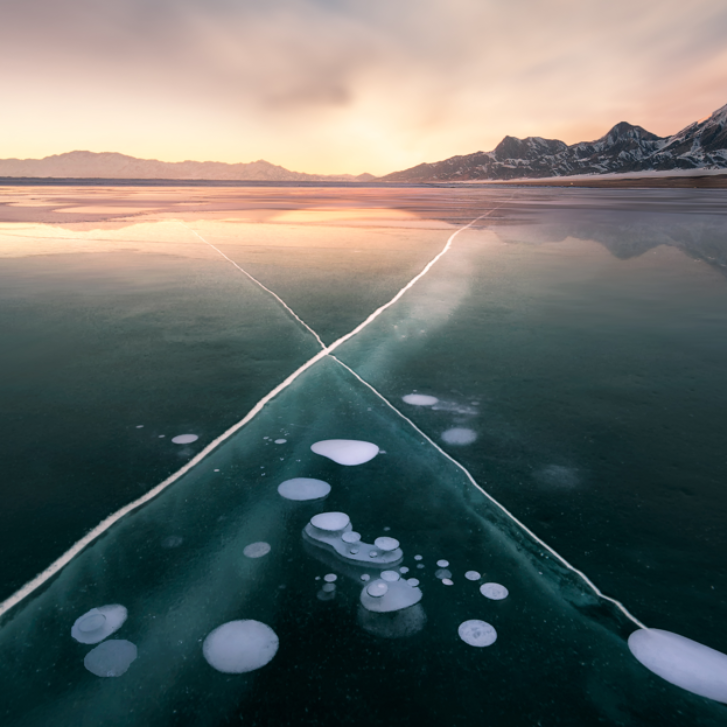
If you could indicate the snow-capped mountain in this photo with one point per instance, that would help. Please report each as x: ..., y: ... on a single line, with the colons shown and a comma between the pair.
x: 625, y: 148
x: 109, y: 165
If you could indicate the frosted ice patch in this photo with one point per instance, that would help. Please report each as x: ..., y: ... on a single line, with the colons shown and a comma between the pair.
x: 459, y: 435
x: 347, y: 452
x: 110, y: 659
x: 185, y: 438
x: 419, y: 399
x: 304, y: 488
x: 351, y: 537
x: 494, y: 591
x: 280, y: 441
x: 681, y: 661
x: 477, y: 633
x: 442, y: 563
x: 330, y: 522
x: 386, y: 544
x: 472, y: 575
x: 240, y: 646
x: 256, y: 550
x: 98, y: 623
x: 390, y: 575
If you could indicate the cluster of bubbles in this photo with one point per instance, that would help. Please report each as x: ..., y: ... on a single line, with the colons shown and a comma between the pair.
x: 113, y: 657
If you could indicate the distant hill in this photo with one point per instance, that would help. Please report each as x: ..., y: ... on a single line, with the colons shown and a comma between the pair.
x: 625, y: 148
x: 109, y: 165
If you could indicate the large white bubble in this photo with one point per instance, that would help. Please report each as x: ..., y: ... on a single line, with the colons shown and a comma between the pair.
x: 257, y: 550
x: 494, y: 591
x: 185, y: 438
x: 419, y: 399
x: 330, y: 522
x: 98, y: 623
x: 459, y: 435
x: 347, y: 452
x: 304, y: 488
x: 386, y: 597
x: 477, y: 633
x: 110, y: 659
x: 681, y: 661
x: 240, y: 646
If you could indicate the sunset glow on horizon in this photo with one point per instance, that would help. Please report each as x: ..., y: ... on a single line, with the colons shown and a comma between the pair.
x: 337, y: 86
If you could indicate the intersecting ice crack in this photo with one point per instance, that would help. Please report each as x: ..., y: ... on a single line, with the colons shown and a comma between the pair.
x: 325, y: 351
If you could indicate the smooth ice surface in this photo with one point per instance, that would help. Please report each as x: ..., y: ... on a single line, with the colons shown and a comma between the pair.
x: 110, y: 659
x: 420, y: 399
x: 98, y: 623
x: 304, y: 488
x: 173, y: 541
x: 494, y: 591
x: 240, y: 646
x: 472, y: 575
x: 477, y: 633
x: 185, y: 438
x: 386, y: 544
x: 681, y: 661
x: 347, y: 452
x: 257, y: 550
x: 331, y: 522
x: 459, y: 435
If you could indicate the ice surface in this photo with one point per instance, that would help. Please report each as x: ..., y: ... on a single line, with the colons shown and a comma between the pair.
x: 477, y: 633
x: 459, y: 435
x: 110, y: 659
x: 98, y: 623
x: 257, y: 550
x: 386, y: 597
x: 185, y: 438
x: 173, y: 541
x: 304, y: 488
x: 494, y: 591
x: 347, y: 452
x: 472, y: 575
x: 240, y: 646
x: 681, y: 661
x: 419, y: 399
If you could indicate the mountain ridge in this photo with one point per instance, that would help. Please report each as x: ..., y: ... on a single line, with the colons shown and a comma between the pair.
x: 113, y: 165
x: 624, y: 148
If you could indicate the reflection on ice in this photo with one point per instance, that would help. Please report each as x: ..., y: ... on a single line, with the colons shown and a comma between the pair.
x: 347, y: 452
x: 110, y: 659
x: 681, y: 661
x: 240, y: 646
x: 98, y: 623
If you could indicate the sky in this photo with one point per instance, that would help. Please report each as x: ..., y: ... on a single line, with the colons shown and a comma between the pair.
x: 348, y: 86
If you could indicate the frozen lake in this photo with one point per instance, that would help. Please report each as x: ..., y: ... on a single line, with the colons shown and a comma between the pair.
x: 530, y: 386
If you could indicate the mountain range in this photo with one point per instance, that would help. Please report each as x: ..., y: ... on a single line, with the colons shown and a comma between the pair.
x: 110, y: 165
x: 625, y: 148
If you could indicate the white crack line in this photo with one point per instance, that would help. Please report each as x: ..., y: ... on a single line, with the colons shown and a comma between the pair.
x: 495, y: 502
x: 105, y: 524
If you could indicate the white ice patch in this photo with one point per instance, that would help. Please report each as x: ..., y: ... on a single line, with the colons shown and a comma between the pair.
x: 447, y: 582
x: 681, y: 661
x: 330, y: 578
x: 185, y: 438
x: 494, y: 591
x: 477, y: 633
x: 240, y: 646
x: 442, y: 563
x: 110, y: 659
x: 386, y: 597
x: 413, y: 581
x: 304, y: 488
x: 472, y: 575
x: 386, y: 544
x: 256, y: 550
x: 98, y: 623
x: 419, y: 399
x: 347, y: 452
x: 280, y: 441
x: 459, y: 435
x: 390, y: 575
